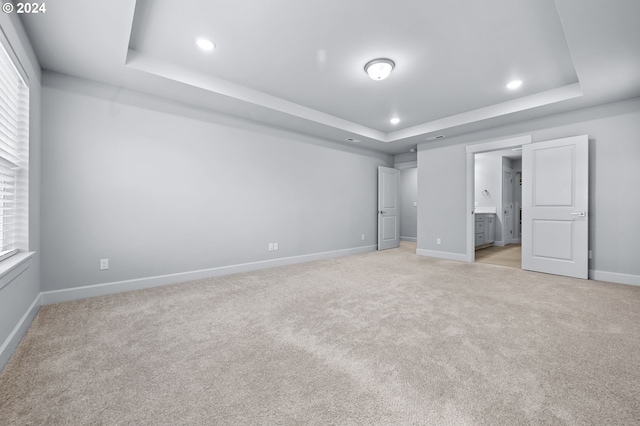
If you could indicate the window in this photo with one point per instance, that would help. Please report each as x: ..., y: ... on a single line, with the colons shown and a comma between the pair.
x: 14, y: 147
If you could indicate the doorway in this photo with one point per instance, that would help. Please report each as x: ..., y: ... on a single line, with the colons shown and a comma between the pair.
x: 489, y: 196
x: 555, y: 200
x: 496, y: 201
x: 408, y: 204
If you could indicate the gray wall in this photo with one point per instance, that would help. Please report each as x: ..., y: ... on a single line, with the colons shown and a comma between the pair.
x: 159, y: 188
x: 614, y: 151
x: 19, y: 294
x: 408, y: 196
x: 405, y: 157
x: 442, y: 198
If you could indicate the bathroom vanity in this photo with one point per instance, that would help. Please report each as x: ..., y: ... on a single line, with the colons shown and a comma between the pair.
x: 485, y: 227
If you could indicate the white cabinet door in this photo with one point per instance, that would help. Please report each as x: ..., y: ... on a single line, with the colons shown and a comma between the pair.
x: 489, y: 228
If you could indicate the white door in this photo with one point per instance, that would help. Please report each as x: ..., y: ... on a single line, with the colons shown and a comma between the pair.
x: 555, y: 200
x: 388, y: 212
x: 507, y: 205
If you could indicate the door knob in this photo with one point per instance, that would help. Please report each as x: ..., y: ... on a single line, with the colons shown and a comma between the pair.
x: 382, y: 212
x: 579, y: 214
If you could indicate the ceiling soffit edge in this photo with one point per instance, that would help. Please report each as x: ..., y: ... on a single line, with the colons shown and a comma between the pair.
x: 147, y: 64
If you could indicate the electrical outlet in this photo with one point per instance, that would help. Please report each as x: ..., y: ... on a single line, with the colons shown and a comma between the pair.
x: 438, y: 240
x: 270, y: 246
x: 362, y: 237
x: 415, y: 204
x: 275, y: 246
x: 104, y: 264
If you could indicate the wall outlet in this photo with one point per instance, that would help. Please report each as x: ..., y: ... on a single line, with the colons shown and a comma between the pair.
x: 438, y: 240
x: 362, y: 237
x: 415, y: 204
x: 270, y: 246
x: 104, y: 264
x: 275, y: 246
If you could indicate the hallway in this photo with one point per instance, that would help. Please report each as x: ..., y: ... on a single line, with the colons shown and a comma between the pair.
x: 509, y: 255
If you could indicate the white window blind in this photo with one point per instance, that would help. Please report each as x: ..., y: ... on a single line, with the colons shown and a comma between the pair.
x: 14, y: 143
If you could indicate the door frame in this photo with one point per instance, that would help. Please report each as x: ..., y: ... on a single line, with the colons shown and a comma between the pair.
x: 471, y: 150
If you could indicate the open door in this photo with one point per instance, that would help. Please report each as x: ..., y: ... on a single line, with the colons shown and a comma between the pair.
x: 507, y: 205
x: 555, y: 201
x: 388, y: 212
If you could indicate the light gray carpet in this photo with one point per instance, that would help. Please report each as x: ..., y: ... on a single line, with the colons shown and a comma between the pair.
x: 379, y: 338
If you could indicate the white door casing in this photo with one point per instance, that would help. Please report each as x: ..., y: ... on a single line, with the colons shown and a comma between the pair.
x: 555, y: 201
x: 388, y: 211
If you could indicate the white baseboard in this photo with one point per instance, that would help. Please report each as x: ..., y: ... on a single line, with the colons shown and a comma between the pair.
x: 11, y: 342
x: 499, y: 243
x: 65, y: 295
x: 614, y: 277
x: 412, y: 239
x: 442, y: 255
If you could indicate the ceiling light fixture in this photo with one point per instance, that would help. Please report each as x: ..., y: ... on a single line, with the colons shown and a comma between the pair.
x: 394, y: 120
x: 354, y: 140
x: 514, y: 84
x: 379, y: 69
x: 205, y: 44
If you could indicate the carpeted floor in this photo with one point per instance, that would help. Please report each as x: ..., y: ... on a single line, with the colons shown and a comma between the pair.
x: 380, y: 338
x: 509, y: 255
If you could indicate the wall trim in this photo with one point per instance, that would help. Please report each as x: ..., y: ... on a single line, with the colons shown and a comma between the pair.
x: 412, y: 239
x: 614, y: 277
x: 442, y: 255
x: 11, y: 342
x: 68, y: 294
x: 499, y: 144
x: 12, y: 267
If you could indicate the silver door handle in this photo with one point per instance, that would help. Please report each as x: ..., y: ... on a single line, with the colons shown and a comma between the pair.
x: 580, y: 214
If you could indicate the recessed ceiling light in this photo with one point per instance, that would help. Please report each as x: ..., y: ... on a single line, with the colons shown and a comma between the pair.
x: 205, y: 44
x: 514, y: 84
x: 379, y: 69
x: 394, y: 120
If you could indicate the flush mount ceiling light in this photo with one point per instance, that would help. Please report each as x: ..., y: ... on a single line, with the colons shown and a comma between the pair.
x: 379, y: 69
x: 514, y: 84
x: 394, y: 120
x: 205, y: 44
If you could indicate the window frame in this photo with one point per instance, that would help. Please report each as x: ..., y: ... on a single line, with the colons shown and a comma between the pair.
x: 14, y: 155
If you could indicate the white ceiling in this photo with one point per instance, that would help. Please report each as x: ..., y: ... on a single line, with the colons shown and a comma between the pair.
x: 300, y: 65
